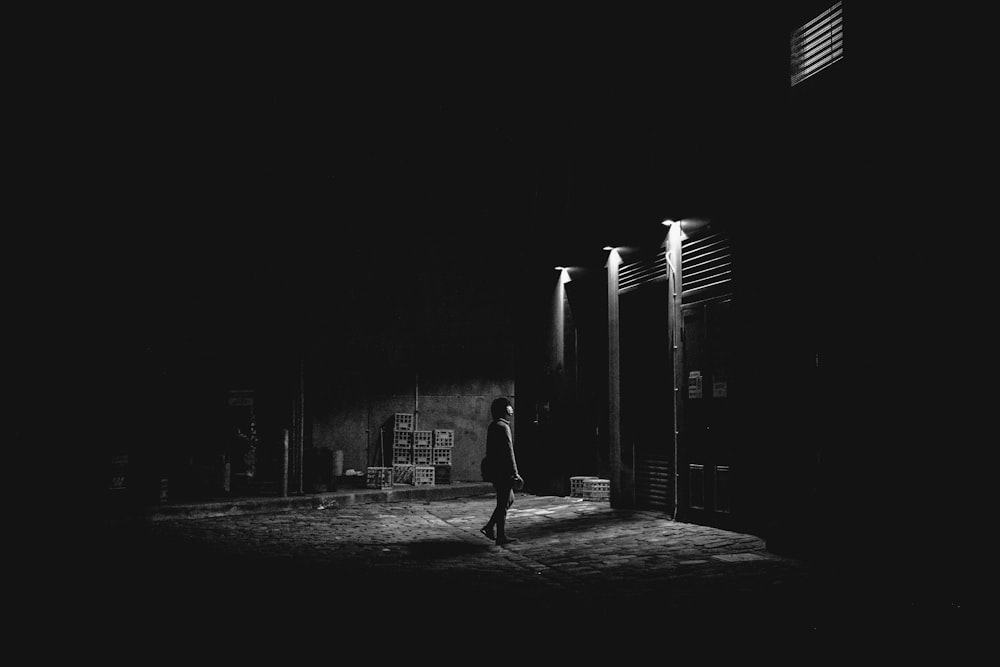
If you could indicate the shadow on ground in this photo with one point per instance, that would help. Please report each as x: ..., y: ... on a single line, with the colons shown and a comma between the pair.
x: 434, y: 549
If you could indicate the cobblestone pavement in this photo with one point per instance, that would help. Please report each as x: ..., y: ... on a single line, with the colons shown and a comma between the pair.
x: 351, y: 574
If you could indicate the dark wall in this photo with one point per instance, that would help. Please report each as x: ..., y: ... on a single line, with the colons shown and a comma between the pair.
x: 865, y: 213
x: 429, y: 328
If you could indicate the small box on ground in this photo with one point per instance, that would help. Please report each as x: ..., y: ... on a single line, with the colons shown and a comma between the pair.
x: 597, y: 489
x: 577, y: 485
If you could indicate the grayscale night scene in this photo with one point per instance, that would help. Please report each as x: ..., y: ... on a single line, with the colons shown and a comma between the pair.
x: 665, y: 271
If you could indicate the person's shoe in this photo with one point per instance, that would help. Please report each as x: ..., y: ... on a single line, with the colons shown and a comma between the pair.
x: 488, y: 533
x: 505, y: 540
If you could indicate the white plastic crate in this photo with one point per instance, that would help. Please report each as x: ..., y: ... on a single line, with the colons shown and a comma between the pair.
x: 378, y: 477
x: 403, y: 422
x: 402, y: 473
x: 423, y: 475
x: 402, y: 438
x: 423, y: 438
x: 597, y: 489
x: 442, y: 456
x: 577, y: 485
x: 402, y: 455
x: 444, y: 437
x: 423, y: 456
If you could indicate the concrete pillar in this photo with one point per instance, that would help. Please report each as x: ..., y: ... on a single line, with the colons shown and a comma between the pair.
x: 614, y: 382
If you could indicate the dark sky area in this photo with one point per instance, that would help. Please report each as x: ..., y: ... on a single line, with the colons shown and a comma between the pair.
x: 253, y: 165
x: 558, y: 126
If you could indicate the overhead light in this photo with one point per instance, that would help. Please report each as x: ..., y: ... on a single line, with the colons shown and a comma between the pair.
x: 560, y: 268
x: 607, y: 247
x: 667, y: 222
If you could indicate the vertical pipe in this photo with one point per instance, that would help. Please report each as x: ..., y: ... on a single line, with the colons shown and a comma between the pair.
x: 676, y: 322
x: 614, y: 379
x: 300, y: 432
x: 416, y: 400
x: 284, y: 465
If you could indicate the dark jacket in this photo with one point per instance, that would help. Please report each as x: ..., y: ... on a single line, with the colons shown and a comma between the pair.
x: 501, y: 463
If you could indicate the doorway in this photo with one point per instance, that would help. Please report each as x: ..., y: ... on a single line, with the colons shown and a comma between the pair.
x: 647, y: 413
x: 706, y: 444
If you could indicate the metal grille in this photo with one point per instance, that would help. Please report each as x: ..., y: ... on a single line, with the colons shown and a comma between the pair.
x: 643, y: 272
x: 654, y: 483
x: 818, y: 44
x: 706, y: 263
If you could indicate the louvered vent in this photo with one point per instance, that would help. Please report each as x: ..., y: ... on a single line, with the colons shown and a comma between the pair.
x: 647, y: 271
x: 706, y: 264
x: 818, y: 44
x: 654, y: 483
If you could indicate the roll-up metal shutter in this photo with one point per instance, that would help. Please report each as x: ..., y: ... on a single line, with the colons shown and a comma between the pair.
x: 654, y: 482
x: 706, y: 266
x: 636, y: 274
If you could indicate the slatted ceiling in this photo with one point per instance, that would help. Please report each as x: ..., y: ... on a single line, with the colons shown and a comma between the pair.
x: 706, y: 262
x: 818, y: 44
x: 635, y: 274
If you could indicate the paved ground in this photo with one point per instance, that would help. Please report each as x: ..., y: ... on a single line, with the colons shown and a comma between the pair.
x: 366, y: 578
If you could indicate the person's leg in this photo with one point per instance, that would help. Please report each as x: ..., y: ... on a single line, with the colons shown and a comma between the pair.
x: 498, y: 511
x: 505, y: 498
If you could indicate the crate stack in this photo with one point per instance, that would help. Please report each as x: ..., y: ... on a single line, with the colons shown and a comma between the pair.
x: 578, y: 484
x: 402, y: 448
x: 420, y: 457
x: 444, y: 443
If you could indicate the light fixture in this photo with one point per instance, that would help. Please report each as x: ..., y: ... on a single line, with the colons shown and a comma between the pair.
x: 667, y: 222
x: 560, y: 268
x: 607, y: 247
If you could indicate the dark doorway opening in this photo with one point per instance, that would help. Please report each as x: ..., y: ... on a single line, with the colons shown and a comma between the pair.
x: 647, y: 393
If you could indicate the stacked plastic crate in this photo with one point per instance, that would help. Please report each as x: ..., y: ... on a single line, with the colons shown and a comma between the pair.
x: 578, y: 484
x: 378, y: 477
x: 596, y: 488
x: 444, y: 443
x: 422, y: 448
x: 423, y: 457
x: 402, y: 448
x: 419, y: 457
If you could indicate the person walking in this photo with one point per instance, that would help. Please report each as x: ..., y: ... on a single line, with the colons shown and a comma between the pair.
x: 500, y: 468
